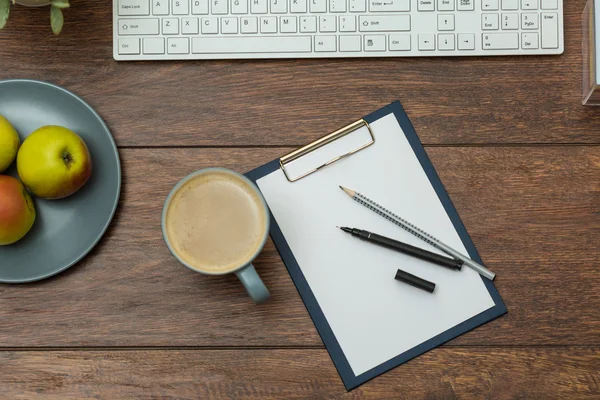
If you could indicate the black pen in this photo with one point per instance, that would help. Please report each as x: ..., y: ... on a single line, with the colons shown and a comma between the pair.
x: 405, y: 248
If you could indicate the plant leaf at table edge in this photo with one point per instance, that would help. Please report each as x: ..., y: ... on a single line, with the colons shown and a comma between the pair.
x: 56, y: 19
x: 4, y: 12
x: 61, y: 3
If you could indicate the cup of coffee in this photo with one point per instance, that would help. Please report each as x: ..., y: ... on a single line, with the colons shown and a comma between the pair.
x: 215, y: 221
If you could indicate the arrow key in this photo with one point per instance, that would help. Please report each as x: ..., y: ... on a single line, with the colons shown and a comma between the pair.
x: 426, y: 41
x: 466, y: 41
x: 445, y: 22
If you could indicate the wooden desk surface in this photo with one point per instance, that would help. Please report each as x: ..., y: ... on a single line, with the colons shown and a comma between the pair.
x: 516, y: 151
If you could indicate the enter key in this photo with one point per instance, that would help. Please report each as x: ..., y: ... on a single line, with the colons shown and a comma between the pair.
x: 549, y: 31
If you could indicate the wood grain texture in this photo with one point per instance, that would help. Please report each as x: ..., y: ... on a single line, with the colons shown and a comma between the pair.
x: 533, y: 213
x: 473, y: 373
x: 292, y: 102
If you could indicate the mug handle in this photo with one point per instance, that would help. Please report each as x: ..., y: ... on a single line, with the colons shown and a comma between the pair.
x: 253, y: 284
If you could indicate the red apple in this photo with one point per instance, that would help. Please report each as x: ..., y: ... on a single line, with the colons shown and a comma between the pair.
x: 17, y: 213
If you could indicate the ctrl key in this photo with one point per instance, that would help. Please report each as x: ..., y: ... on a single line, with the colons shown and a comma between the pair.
x: 129, y: 46
x: 399, y: 42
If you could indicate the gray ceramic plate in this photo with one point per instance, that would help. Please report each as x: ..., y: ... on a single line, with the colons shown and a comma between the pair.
x: 65, y: 230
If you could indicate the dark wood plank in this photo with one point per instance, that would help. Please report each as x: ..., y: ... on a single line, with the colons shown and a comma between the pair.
x: 292, y: 102
x: 472, y: 373
x: 532, y: 212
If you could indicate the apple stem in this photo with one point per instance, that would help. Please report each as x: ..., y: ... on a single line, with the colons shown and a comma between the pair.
x: 67, y: 159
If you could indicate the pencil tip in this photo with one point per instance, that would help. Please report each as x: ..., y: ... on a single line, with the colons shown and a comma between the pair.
x: 349, y: 192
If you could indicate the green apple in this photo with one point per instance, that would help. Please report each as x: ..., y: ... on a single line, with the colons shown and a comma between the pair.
x: 17, y: 213
x: 9, y: 144
x: 54, y: 162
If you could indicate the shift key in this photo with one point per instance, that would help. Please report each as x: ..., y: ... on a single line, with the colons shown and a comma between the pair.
x: 140, y: 26
x: 384, y: 23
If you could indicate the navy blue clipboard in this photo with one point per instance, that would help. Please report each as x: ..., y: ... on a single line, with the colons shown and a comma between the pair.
x: 351, y: 380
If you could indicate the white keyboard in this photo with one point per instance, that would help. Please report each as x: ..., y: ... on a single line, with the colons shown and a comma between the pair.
x: 218, y: 29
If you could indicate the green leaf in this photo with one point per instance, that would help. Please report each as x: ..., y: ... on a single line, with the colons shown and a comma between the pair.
x: 4, y: 11
x: 56, y: 19
x: 61, y: 3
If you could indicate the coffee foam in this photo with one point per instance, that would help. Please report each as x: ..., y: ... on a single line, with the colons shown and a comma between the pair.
x: 216, y: 222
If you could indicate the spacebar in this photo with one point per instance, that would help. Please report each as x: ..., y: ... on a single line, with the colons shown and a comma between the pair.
x: 272, y: 44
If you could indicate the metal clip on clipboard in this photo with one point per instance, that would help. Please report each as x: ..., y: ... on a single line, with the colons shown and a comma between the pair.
x: 301, y: 152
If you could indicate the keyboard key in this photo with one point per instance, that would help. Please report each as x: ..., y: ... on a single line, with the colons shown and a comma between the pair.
x: 154, y: 45
x: 489, y: 5
x: 318, y: 6
x: 239, y: 6
x: 308, y: 24
x: 549, y: 31
x: 529, y: 21
x: 200, y: 7
x: 426, y: 5
x: 229, y: 25
x: 529, y: 4
x: 189, y: 26
x: 510, y: 21
x: 530, y: 40
x: 426, y: 41
x: 348, y: 23
x: 358, y: 6
x: 160, y: 7
x: 145, y: 26
x: 374, y: 42
x: 350, y: 43
x: 129, y: 46
x: 549, y: 4
x: 178, y: 46
x: 489, y: 22
x: 278, y: 6
x: 465, y: 5
x: 445, y: 22
x: 210, y: 25
x: 510, y: 4
x: 384, y: 23
x: 180, y: 7
x: 337, y: 6
x: 219, y: 7
x: 258, y: 6
x: 251, y: 44
x: 500, y: 41
x: 170, y: 26
x: 249, y: 25
x: 268, y: 24
x: 288, y: 24
x: 390, y: 5
x: 466, y: 41
x: 325, y: 43
x: 134, y: 7
x: 298, y: 6
x: 327, y: 23
x: 445, y: 5
x: 399, y: 42
x: 446, y: 41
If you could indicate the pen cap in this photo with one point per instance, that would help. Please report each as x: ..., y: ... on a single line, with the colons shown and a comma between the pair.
x: 415, y: 281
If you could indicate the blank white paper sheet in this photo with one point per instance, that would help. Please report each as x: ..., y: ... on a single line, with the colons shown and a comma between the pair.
x: 373, y: 317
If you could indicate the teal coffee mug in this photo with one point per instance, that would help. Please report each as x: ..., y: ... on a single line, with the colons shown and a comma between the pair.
x: 216, y: 222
